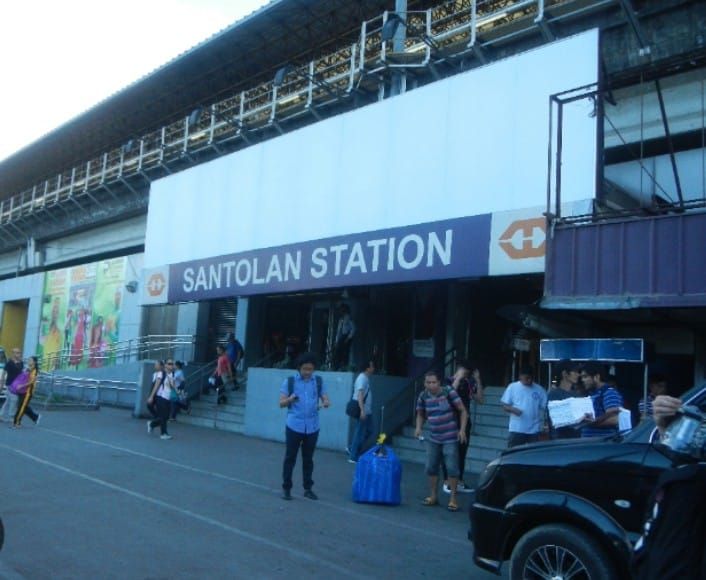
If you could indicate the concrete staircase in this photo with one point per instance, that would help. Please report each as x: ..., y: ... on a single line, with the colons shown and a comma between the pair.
x: 488, y: 436
x: 206, y: 413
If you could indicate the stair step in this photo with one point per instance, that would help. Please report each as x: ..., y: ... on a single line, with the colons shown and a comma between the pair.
x: 213, y: 408
x: 489, y: 431
x: 211, y: 423
x: 492, y: 420
x: 480, y: 442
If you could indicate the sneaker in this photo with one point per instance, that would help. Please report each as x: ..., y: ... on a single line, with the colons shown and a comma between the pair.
x: 39, y: 418
x: 165, y: 436
x: 149, y: 427
x: 352, y: 461
x: 310, y: 494
x: 286, y: 494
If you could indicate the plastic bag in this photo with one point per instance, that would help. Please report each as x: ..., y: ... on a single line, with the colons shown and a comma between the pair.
x: 378, y: 477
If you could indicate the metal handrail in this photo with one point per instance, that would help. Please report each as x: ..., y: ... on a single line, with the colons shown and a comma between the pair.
x: 139, y: 348
x: 263, y: 105
x: 48, y: 383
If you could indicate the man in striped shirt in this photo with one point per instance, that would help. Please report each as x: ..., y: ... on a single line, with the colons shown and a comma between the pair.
x: 606, y: 402
x: 440, y: 406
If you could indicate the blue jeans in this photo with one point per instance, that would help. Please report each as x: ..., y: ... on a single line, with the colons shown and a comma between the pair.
x: 363, y: 430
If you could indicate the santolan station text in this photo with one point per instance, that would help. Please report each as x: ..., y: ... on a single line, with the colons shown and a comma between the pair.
x: 389, y: 254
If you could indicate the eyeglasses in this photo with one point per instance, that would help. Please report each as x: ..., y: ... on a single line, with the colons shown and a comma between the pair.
x: 170, y: 362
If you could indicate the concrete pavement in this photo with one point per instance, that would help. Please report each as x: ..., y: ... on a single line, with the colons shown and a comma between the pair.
x: 90, y: 494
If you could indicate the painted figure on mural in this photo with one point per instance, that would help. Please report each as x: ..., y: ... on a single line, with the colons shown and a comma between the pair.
x: 52, y: 339
x: 97, y: 345
x: 79, y: 341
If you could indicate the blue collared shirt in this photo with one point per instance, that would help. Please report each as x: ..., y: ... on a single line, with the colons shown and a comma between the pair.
x: 303, y: 414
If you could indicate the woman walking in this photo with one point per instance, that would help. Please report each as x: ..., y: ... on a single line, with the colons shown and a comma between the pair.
x: 25, y: 392
x: 159, y: 399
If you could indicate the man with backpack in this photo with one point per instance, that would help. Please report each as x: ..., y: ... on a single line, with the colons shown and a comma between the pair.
x: 436, y: 405
x: 301, y: 394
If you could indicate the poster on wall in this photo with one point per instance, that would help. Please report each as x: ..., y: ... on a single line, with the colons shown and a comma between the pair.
x: 81, y: 315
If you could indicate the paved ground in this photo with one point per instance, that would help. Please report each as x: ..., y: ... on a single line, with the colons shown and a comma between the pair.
x: 89, y: 494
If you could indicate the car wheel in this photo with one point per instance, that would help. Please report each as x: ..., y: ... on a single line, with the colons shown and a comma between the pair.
x: 559, y: 552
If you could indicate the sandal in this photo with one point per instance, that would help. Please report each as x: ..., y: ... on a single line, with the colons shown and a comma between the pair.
x: 453, y: 506
x: 428, y: 501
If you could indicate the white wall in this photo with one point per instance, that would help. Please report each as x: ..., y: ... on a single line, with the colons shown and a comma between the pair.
x: 471, y: 144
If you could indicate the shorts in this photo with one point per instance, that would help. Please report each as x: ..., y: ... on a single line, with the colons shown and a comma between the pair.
x: 435, y: 451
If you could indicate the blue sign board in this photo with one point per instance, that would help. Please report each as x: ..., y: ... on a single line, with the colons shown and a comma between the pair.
x: 454, y: 248
x: 593, y: 349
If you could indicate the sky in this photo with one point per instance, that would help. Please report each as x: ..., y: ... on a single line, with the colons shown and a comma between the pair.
x: 59, y: 58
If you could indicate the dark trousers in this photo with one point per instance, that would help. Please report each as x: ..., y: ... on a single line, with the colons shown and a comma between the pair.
x: 23, y: 408
x: 176, y: 406
x: 307, y: 442
x: 516, y: 439
x: 341, y: 354
x: 462, y: 450
x: 162, y: 407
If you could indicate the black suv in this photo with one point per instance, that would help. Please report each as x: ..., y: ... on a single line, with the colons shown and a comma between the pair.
x: 569, y: 508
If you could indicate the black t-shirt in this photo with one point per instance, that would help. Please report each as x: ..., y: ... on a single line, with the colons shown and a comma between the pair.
x: 466, y: 389
x: 12, y: 370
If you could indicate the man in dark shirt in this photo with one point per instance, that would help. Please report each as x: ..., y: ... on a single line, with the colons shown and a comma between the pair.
x: 13, y: 368
x: 569, y: 373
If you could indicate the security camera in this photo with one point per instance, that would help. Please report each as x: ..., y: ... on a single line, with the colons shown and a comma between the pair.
x: 131, y: 286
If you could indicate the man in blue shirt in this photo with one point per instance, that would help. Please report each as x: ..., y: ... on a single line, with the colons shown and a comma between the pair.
x: 606, y: 402
x: 302, y: 422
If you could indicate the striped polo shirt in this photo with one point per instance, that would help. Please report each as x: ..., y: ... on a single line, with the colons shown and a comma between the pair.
x: 439, y: 411
x: 603, y: 398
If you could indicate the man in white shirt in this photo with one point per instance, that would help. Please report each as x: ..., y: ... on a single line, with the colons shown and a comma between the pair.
x: 364, y: 424
x: 526, y: 403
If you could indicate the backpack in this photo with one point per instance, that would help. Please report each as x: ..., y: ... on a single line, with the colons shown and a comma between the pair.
x: 290, y: 386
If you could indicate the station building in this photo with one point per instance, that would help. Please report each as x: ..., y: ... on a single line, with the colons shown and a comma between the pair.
x: 466, y: 177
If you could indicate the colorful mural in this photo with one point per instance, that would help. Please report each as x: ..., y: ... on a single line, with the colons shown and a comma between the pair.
x: 81, y: 314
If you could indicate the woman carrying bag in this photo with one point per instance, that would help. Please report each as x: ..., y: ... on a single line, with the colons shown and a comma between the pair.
x: 23, y: 387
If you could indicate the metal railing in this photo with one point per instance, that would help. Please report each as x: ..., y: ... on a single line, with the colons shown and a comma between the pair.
x: 153, y: 346
x: 440, y: 34
x: 58, y: 391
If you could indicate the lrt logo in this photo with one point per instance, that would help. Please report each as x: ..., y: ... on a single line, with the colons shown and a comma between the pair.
x: 156, y: 284
x: 524, y: 239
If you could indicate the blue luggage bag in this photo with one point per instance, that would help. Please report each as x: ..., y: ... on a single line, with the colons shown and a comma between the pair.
x: 378, y: 476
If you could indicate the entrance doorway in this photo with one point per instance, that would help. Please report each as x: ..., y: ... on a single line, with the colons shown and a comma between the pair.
x: 14, y: 324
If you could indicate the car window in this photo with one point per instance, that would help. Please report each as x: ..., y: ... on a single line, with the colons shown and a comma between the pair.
x: 646, y: 431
